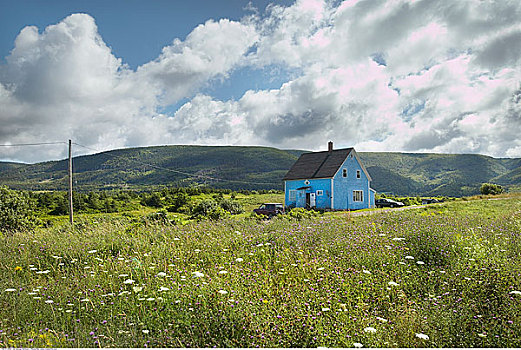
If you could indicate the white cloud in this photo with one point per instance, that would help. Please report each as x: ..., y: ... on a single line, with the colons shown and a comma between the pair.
x: 378, y: 75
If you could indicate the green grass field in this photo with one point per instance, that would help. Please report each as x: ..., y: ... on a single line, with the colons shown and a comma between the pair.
x: 442, y: 276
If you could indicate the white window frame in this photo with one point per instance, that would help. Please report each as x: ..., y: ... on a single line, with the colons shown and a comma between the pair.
x: 358, y: 196
x: 320, y: 193
x: 292, y: 195
x: 358, y: 174
x: 344, y: 172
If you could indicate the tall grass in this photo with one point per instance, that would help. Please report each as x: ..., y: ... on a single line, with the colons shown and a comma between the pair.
x: 443, y: 276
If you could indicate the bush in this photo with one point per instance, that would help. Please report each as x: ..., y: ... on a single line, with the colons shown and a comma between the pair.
x: 231, y: 206
x: 493, y: 189
x: 15, y: 211
x: 301, y: 213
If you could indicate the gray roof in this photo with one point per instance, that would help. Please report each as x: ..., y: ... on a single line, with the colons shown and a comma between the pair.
x: 317, y: 165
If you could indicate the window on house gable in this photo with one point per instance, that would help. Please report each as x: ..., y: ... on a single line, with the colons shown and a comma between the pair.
x: 358, y: 174
x: 344, y: 172
x: 358, y: 196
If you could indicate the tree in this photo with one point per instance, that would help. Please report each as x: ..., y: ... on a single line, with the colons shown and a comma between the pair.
x: 493, y: 189
x: 15, y: 211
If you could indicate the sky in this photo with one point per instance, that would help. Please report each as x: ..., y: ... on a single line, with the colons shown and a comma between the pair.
x: 438, y: 76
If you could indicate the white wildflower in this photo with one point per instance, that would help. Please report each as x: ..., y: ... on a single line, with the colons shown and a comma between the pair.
x: 393, y: 283
x: 164, y: 289
x: 381, y: 319
x: 482, y: 335
x: 10, y: 290
x: 409, y: 257
x: 123, y: 275
x: 137, y: 289
x: 223, y: 272
x: 419, y: 262
x: 198, y: 274
x: 222, y: 291
x: 321, y: 268
x: 92, y: 251
x: 358, y: 345
x: 239, y: 259
x: 151, y: 299
x: 370, y: 330
x: 516, y: 292
x: 161, y: 274
x: 85, y: 300
x: 398, y: 239
x: 422, y: 336
x: 49, y: 301
x: 129, y: 281
x: 324, y: 309
x: 366, y: 271
x: 145, y: 331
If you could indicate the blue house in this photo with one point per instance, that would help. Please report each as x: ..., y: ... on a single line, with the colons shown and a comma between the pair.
x: 334, y: 179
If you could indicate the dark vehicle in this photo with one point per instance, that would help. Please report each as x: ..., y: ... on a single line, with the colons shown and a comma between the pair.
x: 431, y: 200
x: 270, y: 209
x: 386, y: 202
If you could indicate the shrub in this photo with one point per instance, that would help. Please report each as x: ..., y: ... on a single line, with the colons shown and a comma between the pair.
x: 15, y: 211
x: 493, y: 189
x: 231, y: 206
x: 301, y: 213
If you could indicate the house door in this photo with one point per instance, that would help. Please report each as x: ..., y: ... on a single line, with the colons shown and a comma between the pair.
x: 310, y: 200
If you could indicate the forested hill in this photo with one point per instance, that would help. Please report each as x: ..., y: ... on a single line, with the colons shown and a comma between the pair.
x: 258, y: 168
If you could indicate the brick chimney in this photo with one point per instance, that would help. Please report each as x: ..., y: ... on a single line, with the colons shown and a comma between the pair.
x: 330, y: 146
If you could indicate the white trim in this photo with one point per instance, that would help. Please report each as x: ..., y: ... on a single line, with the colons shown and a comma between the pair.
x: 332, y: 197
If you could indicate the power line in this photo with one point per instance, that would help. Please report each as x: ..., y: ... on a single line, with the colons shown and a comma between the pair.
x: 33, y: 144
x: 184, y: 173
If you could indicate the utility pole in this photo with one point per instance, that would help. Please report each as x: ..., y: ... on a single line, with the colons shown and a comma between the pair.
x: 70, y: 184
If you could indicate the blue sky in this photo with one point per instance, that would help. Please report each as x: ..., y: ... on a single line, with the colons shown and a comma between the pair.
x: 401, y: 75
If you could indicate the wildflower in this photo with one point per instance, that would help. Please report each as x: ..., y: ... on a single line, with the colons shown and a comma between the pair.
x: 129, y: 281
x: 49, y: 301
x: 321, y: 268
x: 92, y: 251
x: 393, y: 283
x: 366, y: 271
x: 419, y: 262
x: 239, y: 259
x: 516, y: 292
x: 123, y: 275
x: 18, y: 268
x: 151, y: 299
x: 357, y: 345
x: 84, y: 300
x: 137, y: 289
x: 161, y: 274
x: 324, y: 309
x: 163, y: 289
x: 381, y: 319
x: 198, y: 274
x: 10, y: 290
x: 422, y: 336
x: 409, y: 257
x: 482, y: 335
x: 222, y: 291
x: 398, y: 239
x: 145, y: 331
x: 223, y: 272
x: 43, y: 272
x: 370, y: 330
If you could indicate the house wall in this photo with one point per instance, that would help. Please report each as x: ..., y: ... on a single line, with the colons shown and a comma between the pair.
x: 343, y: 187
x: 322, y: 202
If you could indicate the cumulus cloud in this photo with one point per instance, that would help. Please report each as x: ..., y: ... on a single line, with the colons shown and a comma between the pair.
x: 431, y: 76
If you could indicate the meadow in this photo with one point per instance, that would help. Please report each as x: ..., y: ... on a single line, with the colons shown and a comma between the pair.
x: 441, y: 276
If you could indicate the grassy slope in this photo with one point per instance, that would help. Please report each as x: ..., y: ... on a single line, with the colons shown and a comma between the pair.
x: 445, y: 271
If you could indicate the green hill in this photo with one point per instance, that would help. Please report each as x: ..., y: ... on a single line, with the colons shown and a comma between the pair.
x: 258, y: 168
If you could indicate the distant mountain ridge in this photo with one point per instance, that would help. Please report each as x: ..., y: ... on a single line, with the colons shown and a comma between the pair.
x: 254, y: 168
